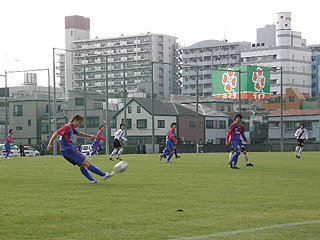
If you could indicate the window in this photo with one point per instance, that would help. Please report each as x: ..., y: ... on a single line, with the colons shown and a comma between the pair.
x: 29, y: 122
x: 128, y: 123
x: 192, y: 124
x: 19, y: 128
x: 138, y: 109
x: 79, y: 101
x: 161, y: 123
x: 93, y: 122
x: 142, y: 123
x: 2, y: 106
x: 59, y: 108
x: 44, y: 128
x: 291, y: 98
x: 97, y: 105
x: 215, y: 124
x: 274, y: 124
x: 29, y: 140
x: 17, y: 110
x: 290, y: 127
x: 129, y: 109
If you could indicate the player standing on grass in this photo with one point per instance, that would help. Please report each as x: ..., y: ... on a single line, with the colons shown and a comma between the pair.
x: 301, y: 135
x: 235, y: 130
x: 245, y: 155
x: 7, y: 144
x: 118, y: 136
x: 71, y: 153
x: 97, y: 146
x: 170, y: 148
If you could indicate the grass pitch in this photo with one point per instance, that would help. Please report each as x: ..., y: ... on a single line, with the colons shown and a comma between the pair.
x: 197, y: 195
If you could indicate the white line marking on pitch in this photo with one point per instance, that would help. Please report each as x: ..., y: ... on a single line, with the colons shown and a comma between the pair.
x: 248, y: 230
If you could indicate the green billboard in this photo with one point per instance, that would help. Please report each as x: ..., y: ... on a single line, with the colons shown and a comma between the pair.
x: 255, y: 82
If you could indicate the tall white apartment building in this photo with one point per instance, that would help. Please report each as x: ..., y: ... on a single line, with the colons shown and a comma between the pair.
x: 208, y: 55
x: 76, y: 28
x: 315, y: 70
x: 289, y: 52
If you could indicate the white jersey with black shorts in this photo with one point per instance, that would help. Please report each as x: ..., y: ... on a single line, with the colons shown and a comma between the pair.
x: 118, y: 136
x: 301, y: 135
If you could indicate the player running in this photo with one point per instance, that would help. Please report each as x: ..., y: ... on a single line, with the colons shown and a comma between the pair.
x: 301, y: 135
x: 170, y: 148
x: 71, y: 153
x: 7, y: 144
x: 118, y: 137
x: 235, y: 130
x: 97, y: 146
x: 245, y: 155
x: 175, y: 149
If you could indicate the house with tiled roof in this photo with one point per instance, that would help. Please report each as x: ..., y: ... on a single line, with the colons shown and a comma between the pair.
x: 292, y: 119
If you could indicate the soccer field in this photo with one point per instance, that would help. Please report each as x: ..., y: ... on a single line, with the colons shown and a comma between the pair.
x: 196, y: 197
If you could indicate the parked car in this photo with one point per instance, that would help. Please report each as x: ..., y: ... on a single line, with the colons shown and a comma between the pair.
x: 13, y: 151
x: 30, y: 151
x: 86, y: 149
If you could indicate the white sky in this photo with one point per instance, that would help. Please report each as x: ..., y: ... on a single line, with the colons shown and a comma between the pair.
x: 30, y: 29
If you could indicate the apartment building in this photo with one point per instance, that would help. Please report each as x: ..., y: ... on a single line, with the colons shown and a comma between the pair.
x: 315, y: 70
x: 289, y: 52
x: 208, y: 55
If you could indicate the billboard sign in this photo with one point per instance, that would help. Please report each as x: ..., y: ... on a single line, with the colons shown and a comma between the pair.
x: 255, y: 83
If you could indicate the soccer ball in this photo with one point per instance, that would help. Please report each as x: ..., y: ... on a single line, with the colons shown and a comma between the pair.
x: 121, y: 166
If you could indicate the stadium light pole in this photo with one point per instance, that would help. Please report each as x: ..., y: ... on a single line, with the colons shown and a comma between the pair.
x: 197, y: 109
x: 240, y: 91
x: 281, y: 111
x: 124, y: 98
x: 6, y: 102
x: 107, y: 109
x: 152, y: 109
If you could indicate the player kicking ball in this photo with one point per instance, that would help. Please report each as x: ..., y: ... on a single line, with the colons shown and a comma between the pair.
x: 71, y: 153
x: 245, y: 155
x: 301, y: 135
x: 118, y: 137
x: 235, y: 130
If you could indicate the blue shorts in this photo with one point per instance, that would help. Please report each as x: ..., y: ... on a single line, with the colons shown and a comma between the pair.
x: 7, y: 146
x: 170, y: 146
x: 236, y: 144
x: 73, y: 156
x: 96, y: 146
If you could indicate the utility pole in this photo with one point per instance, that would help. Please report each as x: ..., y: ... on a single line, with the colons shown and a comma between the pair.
x: 197, y: 109
x: 152, y: 109
x: 281, y: 111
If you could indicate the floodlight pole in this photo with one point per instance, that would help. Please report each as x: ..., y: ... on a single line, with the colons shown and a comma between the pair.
x: 240, y: 91
x: 6, y: 102
x: 197, y: 109
x: 124, y: 99
x: 107, y: 103
x: 54, y: 103
x: 281, y: 111
x: 152, y: 109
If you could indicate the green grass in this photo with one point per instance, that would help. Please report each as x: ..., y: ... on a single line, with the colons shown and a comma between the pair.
x: 48, y: 198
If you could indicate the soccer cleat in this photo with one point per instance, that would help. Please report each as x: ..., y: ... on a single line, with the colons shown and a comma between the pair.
x: 178, y: 156
x: 250, y: 165
x: 230, y: 164
x: 93, y: 181
x: 169, y: 162
x: 7, y: 158
x: 111, y: 159
x: 89, y: 156
x: 108, y: 174
x: 236, y: 167
x: 161, y: 156
x: 118, y: 158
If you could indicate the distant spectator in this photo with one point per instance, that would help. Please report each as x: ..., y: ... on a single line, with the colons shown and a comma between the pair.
x: 138, y: 148
x: 42, y: 148
x: 144, y: 148
x: 21, y: 148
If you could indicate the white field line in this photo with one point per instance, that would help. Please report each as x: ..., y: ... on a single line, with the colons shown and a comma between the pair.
x: 222, y: 234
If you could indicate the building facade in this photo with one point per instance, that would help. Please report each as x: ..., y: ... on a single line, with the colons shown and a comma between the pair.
x: 208, y: 55
x: 289, y: 52
x: 315, y: 70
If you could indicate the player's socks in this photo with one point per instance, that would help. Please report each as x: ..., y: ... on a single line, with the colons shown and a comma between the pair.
x: 93, y: 152
x: 96, y: 170
x: 100, y: 149
x: 120, y: 151
x: 170, y: 156
x: 297, y: 150
x: 85, y: 172
x: 113, y: 153
x: 230, y: 156
x: 246, y: 157
x: 166, y: 154
x: 235, y: 158
x: 7, y: 155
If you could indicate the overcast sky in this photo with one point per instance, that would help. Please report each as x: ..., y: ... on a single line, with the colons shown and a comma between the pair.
x: 30, y: 29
